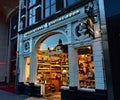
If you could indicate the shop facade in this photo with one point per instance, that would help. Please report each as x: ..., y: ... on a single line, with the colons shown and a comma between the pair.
x: 65, y: 55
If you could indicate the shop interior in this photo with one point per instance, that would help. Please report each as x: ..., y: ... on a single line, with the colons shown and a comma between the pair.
x: 53, y: 70
x: 86, y: 67
x: 52, y: 66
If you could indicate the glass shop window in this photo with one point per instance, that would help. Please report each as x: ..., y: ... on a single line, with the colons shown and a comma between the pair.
x: 27, y: 69
x: 86, y: 67
x: 52, y: 63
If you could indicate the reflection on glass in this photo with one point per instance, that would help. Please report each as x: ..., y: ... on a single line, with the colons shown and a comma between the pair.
x: 50, y: 7
x: 70, y: 2
x: 53, y: 9
x: 31, y: 2
x: 52, y: 41
x: 32, y: 15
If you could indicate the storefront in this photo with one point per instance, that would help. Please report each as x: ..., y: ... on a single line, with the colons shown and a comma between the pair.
x: 64, y: 56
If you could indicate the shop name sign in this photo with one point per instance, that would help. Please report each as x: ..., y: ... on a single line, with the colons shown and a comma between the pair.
x: 46, y: 25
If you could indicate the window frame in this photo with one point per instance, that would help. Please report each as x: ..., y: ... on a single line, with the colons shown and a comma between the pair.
x: 67, y: 3
x: 34, y: 8
x: 48, y: 8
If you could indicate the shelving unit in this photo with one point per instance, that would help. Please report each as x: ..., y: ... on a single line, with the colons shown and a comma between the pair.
x: 53, y: 76
x: 52, y: 69
x: 45, y: 72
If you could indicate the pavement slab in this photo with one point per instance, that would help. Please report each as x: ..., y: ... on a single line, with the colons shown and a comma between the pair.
x: 12, y: 96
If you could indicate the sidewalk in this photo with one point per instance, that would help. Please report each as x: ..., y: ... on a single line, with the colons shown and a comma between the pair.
x: 11, y: 96
x: 7, y: 87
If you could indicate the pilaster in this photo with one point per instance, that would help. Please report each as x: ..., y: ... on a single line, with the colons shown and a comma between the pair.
x: 73, y: 62
x: 20, y: 62
x: 32, y: 62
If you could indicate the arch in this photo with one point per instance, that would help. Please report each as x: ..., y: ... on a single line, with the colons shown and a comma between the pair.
x: 52, y: 60
x: 44, y: 36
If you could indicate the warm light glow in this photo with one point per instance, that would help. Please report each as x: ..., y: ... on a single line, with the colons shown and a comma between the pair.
x: 27, y: 69
x: 2, y: 63
x: 89, y: 47
x: 97, y: 33
x: 51, y: 48
x: 81, y: 24
x: 82, y: 56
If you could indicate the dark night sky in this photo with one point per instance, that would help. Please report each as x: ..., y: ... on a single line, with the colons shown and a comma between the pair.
x: 112, y: 7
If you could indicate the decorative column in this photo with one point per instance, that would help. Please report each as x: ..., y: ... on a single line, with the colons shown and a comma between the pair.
x: 73, y: 62
x: 73, y: 66
x: 20, y: 61
x: 32, y: 62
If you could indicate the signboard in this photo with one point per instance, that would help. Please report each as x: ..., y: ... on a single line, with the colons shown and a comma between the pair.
x: 57, y: 20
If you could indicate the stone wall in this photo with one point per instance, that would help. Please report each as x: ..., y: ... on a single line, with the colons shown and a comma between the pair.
x: 3, y: 52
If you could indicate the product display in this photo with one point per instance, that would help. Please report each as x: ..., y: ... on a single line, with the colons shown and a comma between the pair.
x: 86, y: 68
x: 52, y: 70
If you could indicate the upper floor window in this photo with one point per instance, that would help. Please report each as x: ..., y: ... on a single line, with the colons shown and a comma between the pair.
x: 34, y: 2
x: 68, y: 3
x: 50, y: 7
x: 14, y: 25
x: 31, y: 16
x: 23, y: 3
x: 34, y: 11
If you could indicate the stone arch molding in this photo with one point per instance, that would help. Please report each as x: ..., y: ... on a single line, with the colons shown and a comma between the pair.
x: 42, y: 37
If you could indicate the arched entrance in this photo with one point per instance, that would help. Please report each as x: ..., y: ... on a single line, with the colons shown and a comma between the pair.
x: 52, y: 63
